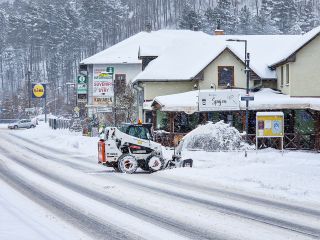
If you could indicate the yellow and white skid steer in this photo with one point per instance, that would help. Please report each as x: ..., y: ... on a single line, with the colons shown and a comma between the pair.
x: 131, y: 146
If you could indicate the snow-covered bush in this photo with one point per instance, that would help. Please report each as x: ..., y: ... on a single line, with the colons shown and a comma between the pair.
x: 215, y: 137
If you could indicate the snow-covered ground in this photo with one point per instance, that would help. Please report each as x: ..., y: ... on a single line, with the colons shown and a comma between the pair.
x: 292, y: 177
x: 292, y: 174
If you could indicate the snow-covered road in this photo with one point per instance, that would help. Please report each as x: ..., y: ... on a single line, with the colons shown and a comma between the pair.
x: 68, y: 190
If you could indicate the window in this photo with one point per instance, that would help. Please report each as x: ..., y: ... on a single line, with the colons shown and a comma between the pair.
x: 120, y: 83
x: 281, y: 77
x: 226, y: 76
x: 287, y: 74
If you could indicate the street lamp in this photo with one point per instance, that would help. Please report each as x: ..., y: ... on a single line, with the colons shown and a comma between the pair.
x: 247, y: 71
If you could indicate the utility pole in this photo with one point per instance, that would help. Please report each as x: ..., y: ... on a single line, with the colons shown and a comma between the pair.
x: 29, y: 88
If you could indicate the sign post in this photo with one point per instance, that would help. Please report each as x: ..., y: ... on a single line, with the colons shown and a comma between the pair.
x: 82, y: 89
x: 39, y: 92
x: 270, y: 125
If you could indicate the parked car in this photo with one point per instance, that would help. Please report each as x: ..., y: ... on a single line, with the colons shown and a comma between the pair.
x: 23, y: 123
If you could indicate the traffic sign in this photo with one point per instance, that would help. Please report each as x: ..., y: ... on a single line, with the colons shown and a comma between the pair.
x: 247, y: 98
x: 110, y: 70
x: 76, y: 109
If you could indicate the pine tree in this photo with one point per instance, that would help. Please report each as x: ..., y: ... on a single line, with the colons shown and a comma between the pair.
x: 189, y: 18
x: 263, y: 23
x: 307, y: 17
x: 224, y: 13
x: 284, y: 14
x: 245, y: 21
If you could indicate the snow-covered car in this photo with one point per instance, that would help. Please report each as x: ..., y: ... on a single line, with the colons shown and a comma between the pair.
x: 23, y: 123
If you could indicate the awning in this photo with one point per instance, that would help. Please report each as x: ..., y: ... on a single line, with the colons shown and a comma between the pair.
x: 265, y: 99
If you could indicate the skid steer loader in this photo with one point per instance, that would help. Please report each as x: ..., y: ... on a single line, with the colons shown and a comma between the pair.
x: 131, y: 146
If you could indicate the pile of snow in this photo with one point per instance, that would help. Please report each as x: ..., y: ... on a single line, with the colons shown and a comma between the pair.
x: 214, y: 137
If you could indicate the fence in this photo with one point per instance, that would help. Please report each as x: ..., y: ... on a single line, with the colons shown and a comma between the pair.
x: 292, y: 141
x: 55, y: 123
x: 5, y: 121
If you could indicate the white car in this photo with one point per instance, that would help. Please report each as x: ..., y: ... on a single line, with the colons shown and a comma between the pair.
x: 23, y: 123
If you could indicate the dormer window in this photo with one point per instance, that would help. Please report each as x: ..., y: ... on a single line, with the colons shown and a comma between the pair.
x: 226, y: 76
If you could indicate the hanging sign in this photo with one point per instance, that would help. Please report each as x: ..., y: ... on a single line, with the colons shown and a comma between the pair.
x: 218, y: 101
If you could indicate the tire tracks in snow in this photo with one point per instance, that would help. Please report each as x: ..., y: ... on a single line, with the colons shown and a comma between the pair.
x: 141, y: 213
x: 83, y: 222
x: 224, y: 208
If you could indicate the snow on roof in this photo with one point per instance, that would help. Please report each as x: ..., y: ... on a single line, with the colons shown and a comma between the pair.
x: 149, y: 44
x: 296, y: 46
x: 185, y: 58
x: 265, y: 99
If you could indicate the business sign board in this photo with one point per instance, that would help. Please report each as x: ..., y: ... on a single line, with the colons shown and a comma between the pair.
x: 81, y: 79
x: 104, y: 109
x: 82, y: 98
x: 38, y: 90
x: 82, y: 84
x: 82, y: 88
x: 269, y: 124
x: 103, y: 101
x: 102, y: 83
x: 218, y: 101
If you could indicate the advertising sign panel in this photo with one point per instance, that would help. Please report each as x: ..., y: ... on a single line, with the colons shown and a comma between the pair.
x: 103, y: 101
x: 38, y: 90
x: 102, y: 83
x: 82, y: 98
x: 269, y: 124
x: 218, y: 101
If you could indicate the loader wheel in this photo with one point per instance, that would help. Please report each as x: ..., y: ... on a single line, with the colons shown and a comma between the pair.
x: 127, y: 163
x: 116, y: 167
x: 154, y: 163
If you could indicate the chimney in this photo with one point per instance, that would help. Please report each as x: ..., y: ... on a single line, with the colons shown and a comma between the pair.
x: 218, y: 31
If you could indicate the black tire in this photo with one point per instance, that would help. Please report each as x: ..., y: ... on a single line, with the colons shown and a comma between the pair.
x: 154, y: 163
x: 127, y: 163
x: 32, y: 126
x: 143, y: 165
x: 116, y: 167
x: 15, y: 127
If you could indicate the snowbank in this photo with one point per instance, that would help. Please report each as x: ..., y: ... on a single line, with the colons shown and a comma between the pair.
x: 215, y: 137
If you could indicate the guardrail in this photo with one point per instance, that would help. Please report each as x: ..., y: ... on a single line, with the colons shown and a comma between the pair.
x: 4, y: 121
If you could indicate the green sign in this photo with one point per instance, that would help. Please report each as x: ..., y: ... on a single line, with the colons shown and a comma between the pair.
x: 110, y: 70
x: 82, y: 79
x: 82, y: 88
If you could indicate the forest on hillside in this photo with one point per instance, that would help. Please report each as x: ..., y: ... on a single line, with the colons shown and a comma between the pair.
x: 44, y: 40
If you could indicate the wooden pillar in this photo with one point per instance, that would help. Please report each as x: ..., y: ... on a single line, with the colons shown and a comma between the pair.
x: 154, y: 119
x: 171, y: 122
x: 317, y: 130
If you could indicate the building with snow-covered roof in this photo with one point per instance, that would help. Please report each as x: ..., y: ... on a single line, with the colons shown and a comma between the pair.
x: 298, y: 68
x: 124, y: 58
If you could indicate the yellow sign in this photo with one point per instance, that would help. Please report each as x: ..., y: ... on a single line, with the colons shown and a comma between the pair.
x: 270, y: 124
x: 38, y: 90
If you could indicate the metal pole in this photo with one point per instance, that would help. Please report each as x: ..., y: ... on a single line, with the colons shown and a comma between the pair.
x: 247, y: 91
x: 29, y: 88
x: 45, y: 108
x: 114, y: 101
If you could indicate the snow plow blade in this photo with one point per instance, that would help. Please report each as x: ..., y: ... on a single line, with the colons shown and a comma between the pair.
x: 187, y: 163
x: 177, y: 163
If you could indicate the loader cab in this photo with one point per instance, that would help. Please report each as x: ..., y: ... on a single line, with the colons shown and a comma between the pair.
x: 143, y: 131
